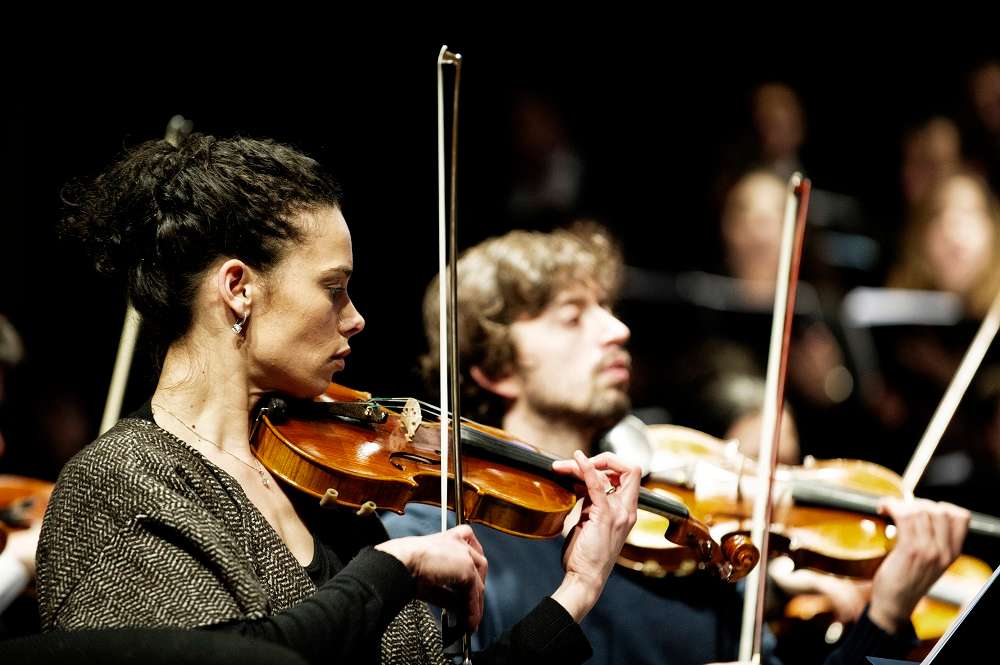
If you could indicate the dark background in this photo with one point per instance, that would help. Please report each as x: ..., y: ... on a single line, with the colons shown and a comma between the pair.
x: 652, y: 119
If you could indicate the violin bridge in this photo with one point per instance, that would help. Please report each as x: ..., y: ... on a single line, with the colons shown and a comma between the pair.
x: 410, y: 417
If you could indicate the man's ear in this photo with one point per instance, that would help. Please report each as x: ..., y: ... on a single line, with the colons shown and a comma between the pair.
x: 507, y: 386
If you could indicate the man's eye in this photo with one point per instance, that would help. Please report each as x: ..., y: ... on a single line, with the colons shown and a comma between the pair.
x: 336, y: 291
x: 571, y: 318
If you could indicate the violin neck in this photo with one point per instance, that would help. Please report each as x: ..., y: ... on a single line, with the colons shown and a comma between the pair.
x: 661, y: 505
x: 837, y: 498
x: 514, y: 455
x: 867, y: 504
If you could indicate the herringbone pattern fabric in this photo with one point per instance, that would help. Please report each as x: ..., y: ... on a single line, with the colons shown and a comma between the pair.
x: 144, y: 531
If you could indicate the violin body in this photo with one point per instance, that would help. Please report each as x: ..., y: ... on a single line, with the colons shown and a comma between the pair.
x: 936, y: 611
x: 824, y: 516
x: 376, y: 465
x: 931, y: 618
x: 718, y: 484
x: 22, y: 503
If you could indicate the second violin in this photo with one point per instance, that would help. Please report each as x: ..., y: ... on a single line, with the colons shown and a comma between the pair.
x: 825, y: 515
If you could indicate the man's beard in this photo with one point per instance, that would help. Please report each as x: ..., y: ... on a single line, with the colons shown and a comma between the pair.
x: 603, y: 408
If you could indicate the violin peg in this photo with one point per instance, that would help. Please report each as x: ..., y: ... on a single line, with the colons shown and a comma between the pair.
x: 367, y: 508
x: 329, y: 499
x: 834, y: 632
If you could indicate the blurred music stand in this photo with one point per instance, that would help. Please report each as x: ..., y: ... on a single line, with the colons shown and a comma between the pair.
x: 686, y: 326
x: 710, y: 303
x: 865, y: 309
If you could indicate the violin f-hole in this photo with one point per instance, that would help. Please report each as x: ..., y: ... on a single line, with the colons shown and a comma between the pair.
x: 413, y: 457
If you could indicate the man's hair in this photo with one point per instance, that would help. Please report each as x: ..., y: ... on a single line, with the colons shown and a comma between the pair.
x: 509, y: 278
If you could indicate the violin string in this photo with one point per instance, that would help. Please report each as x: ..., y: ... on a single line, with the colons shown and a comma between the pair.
x: 425, y: 408
x: 432, y: 409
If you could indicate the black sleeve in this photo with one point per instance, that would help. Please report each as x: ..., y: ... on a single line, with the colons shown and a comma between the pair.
x: 345, y: 618
x: 547, y: 635
x: 142, y: 646
x: 867, y: 639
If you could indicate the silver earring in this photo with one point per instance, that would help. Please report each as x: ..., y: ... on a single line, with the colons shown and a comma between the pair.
x: 238, y: 327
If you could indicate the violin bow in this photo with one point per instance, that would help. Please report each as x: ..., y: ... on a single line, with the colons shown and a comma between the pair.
x: 792, y: 235
x: 971, y: 361
x: 448, y: 377
x: 178, y: 128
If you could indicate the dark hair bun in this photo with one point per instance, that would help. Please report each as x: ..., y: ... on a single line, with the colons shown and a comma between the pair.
x: 163, y: 213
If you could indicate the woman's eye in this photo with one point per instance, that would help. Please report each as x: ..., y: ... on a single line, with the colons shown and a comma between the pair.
x: 336, y: 291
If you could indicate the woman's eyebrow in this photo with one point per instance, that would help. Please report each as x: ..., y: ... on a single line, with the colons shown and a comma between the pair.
x: 339, y: 271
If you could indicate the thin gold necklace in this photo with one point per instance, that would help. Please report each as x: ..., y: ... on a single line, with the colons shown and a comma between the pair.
x: 258, y: 468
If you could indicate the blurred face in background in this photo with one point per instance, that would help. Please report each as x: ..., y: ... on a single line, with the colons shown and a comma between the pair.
x: 959, y: 240
x: 985, y: 92
x: 778, y: 119
x: 932, y: 152
x: 751, y: 227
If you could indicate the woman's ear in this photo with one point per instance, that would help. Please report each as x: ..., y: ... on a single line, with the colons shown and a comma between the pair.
x: 234, y: 280
x: 507, y: 386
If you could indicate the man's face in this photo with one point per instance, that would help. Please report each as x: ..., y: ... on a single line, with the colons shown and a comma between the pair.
x: 571, y: 360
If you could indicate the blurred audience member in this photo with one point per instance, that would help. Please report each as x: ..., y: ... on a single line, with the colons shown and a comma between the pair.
x: 983, y: 147
x: 931, y: 151
x: 951, y: 240
x: 548, y: 172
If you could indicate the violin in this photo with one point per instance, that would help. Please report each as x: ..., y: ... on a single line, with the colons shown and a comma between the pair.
x: 825, y: 513
x: 22, y: 503
x: 932, y: 616
x: 350, y: 449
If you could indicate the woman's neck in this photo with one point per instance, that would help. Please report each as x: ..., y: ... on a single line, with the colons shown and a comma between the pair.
x: 205, y: 392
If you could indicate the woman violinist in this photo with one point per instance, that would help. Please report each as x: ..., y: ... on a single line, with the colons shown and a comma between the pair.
x: 238, y: 259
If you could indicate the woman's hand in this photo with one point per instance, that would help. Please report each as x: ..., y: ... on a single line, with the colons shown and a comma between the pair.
x: 607, y: 516
x: 449, y: 567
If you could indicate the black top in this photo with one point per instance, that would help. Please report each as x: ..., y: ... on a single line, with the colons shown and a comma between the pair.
x: 547, y: 634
